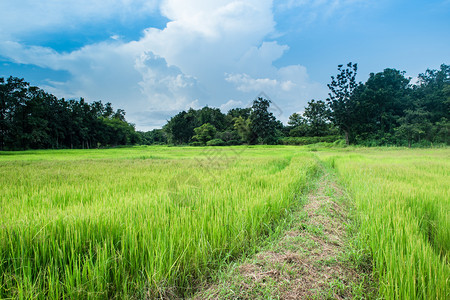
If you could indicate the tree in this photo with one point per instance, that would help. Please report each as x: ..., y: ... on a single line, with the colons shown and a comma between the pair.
x: 316, y: 116
x: 13, y: 97
x: 243, y: 128
x: 180, y: 128
x: 204, y: 133
x: 33, y: 118
x: 298, y: 125
x: 379, y: 103
x: 155, y: 136
x: 212, y: 116
x: 240, y: 112
x: 262, y: 122
x: 433, y: 92
x: 413, y: 126
x: 340, y: 102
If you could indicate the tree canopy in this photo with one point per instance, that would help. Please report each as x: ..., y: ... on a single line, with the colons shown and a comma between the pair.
x: 31, y: 118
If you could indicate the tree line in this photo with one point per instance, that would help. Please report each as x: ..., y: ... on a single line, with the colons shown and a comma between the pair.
x: 385, y: 110
x: 31, y: 118
x: 388, y: 109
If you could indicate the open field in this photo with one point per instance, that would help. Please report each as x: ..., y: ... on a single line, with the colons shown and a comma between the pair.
x: 402, y: 203
x: 154, y: 221
x: 135, y: 222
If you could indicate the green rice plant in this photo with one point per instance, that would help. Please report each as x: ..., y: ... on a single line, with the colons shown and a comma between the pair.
x: 402, y: 199
x: 137, y: 222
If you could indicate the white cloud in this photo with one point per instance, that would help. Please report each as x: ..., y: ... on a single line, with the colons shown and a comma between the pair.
x: 174, y: 68
x: 23, y: 17
x: 289, y: 88
x: 230, y: 104
x: 167, y: 85
x: 245, y: 83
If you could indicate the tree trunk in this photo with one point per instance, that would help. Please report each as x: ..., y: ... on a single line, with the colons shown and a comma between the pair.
x: 346, y: 137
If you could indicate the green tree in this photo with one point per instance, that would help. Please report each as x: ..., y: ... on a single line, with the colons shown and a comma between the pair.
x: 262, y: 122
x: 297, y: 125
x: 441, y: 131
x: 434, y: 92
x: 155, y: 136
x: 204, y: 133
x: 413, y: 126
x: 340, y: 101
x: 180, y: 128
x: 379, y: 103
x: 243, y: 128
x: 212, y: 116
x: 316, y: 116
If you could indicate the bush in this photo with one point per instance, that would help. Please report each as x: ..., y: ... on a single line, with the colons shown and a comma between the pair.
x: 215, y: 142
x: 233, y: 142
x: 306, y: 140
x: 197, y: 144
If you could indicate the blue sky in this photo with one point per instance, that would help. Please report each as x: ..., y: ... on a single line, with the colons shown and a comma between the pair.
x: 154, y: 58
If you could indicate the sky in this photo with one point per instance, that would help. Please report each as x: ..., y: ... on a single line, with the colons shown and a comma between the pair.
x: 155, y: 58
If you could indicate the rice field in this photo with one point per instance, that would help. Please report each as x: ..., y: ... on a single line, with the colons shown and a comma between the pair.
x: 149, y: 222
x: 402, y: 203
x: 137, y: 222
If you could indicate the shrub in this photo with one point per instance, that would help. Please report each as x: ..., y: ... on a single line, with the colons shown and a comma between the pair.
x: 306, y: 140
x: 215, y: 142
x: 196, y: 143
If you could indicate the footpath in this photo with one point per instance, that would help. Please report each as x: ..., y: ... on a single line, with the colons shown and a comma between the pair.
x: 312, y: 259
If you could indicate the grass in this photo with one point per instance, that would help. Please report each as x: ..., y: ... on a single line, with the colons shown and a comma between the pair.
x: 139, y: 222
x: 402, y: 203
x: 158, y: 221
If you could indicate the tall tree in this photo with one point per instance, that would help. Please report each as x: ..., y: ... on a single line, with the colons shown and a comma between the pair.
x: 243, y: 128
x: 340, y: 102
x: 414, y: 125
x: 204, y: 133
x: 379, y: 103
x: 433, y: 92
x: 316, y: 115
x: 263, y: 123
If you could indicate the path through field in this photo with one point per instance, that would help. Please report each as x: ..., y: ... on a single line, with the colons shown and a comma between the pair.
x: 311, y: 260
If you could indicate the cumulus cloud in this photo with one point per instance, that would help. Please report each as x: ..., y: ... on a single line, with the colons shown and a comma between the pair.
x: 167, y: 85
x: 208, y: 53
x: 289, y: 88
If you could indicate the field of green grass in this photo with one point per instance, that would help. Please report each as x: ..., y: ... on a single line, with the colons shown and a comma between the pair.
x: 154, y: 221
x: 402, y: 204
x: 137, y: 221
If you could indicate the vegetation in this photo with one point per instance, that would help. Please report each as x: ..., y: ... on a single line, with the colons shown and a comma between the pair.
x: 388, y: 109
x: 385, y: 110
x: 30, y: 118
x: 156, y: 221
x: 139, y: 221
x: 402, y: 205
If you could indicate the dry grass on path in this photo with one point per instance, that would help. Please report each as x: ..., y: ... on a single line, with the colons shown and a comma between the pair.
x: 309, y: 261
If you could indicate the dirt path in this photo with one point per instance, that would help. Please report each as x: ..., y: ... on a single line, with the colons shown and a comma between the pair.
x: 311, y: 260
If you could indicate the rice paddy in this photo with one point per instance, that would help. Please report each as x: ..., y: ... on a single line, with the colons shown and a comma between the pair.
x: 154, y: 221
x: 402, y: 203
x: 136, y: 222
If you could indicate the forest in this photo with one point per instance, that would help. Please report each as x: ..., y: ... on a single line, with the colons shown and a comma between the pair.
x: 388, y: 109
